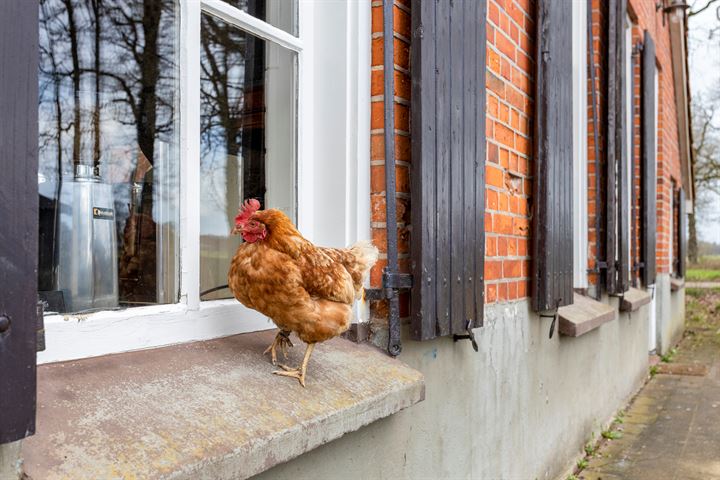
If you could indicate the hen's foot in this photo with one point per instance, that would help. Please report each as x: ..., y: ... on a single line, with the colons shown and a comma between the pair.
x: 282, y: 340
x: 298, y: 373
x: 291, y: 372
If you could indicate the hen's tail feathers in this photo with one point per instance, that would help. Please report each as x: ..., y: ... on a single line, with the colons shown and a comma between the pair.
x: 367, y: 254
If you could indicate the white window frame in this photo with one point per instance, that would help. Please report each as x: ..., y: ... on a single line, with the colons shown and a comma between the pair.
x: 580, y: 134
x: 333, y: 175
x: 629, y: 75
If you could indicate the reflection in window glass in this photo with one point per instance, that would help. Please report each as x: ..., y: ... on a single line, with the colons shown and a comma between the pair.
x: 282, y: 14
x: 247, y: 138
x: 108, y: 170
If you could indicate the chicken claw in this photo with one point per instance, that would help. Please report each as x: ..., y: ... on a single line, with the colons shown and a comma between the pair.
x: 298, y: 373
x: 282, y: 340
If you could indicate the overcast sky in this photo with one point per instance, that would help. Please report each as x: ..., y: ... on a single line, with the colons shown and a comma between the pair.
x: 704, y: 79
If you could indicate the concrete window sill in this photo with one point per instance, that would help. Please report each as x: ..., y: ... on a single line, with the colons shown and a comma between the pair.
x: 584, y: 315
x: 206, y: 409
x: 634, y: 299
x: 676, y: 283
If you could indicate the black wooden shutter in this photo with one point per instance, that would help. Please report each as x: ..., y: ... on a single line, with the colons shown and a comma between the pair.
x: 617, y: 207
x: 682, y: 233
x: 18, y: 217
x: 623, y: 262
x: 649, y: 162
x: 552, y: 247
x: 448, y: 166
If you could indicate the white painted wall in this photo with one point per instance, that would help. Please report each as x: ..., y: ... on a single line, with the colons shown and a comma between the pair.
x: 521, y: 408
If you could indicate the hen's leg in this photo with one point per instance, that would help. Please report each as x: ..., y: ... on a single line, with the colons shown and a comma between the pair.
x: 282, y: 340
x: 298, y: 373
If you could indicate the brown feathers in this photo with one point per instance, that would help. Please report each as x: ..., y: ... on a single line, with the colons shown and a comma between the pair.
x: 301, y: 287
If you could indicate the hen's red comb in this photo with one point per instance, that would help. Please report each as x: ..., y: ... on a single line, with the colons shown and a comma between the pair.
x: 249, y: 207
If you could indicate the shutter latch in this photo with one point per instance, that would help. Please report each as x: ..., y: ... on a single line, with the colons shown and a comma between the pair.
x: 554, y: 316
x: 469, y: 336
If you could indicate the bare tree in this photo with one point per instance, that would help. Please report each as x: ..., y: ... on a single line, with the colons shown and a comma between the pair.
x: 233, y: 108
x: 705, y: 158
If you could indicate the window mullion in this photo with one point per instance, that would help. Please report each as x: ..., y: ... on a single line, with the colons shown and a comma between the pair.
x: 190, y: 153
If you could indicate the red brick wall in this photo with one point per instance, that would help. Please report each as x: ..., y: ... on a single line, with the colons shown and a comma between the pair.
x: 510, y: 89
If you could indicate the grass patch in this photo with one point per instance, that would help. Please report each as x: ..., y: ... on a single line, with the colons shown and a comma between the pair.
x: 706, y: 270
x: 590, y: 449
x: 611, y: 434
x: 702, y: 275
x: 668, y: 357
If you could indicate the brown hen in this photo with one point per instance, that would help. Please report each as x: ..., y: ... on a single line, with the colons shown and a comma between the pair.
x: 303, y: 288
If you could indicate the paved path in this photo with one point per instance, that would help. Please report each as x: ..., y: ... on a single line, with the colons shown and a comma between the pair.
x: 702, y: 284
x: 672, y: 428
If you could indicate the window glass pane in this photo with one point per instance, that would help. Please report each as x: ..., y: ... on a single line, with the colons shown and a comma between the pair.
x: 282, y: 14
x: 108, y: 168
x: 247, y: 138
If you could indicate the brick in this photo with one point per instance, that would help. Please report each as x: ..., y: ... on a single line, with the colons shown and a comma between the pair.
x: 502, y: 247
x: 490, y: 293
x: 493, y: 269
x: 491, y: 197
x: 520, y: 226
x: 502, y: 292
x: 494, y: 176
x: 512, y: 268
x: 503, y: 224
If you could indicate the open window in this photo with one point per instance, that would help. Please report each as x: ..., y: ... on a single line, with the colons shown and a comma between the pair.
x: 156, y: 120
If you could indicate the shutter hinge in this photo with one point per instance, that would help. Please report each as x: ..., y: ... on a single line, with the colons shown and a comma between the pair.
x: 40, y: 326
x: 391, y: 283
x: 599, y: 266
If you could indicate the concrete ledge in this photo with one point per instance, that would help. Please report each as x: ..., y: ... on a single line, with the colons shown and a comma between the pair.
x: 676, y: 284
x: 206, y: 410
x: 634, y: 299
x: 584, y: 315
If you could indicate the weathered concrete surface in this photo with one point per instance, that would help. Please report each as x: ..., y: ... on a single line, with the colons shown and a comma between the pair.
x: 10, y: 461
x: 702, y: 284
x: 520, y: 409
x: 670, y: 314
x: 206, y: 410
x: 672, y: 428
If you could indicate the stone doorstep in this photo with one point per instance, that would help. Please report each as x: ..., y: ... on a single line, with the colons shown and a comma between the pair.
x: 584, y: 315
x: 206, y: 410
x: 633, y: 299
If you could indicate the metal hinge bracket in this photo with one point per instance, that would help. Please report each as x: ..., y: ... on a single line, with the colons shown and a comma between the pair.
x: 391, y: 283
